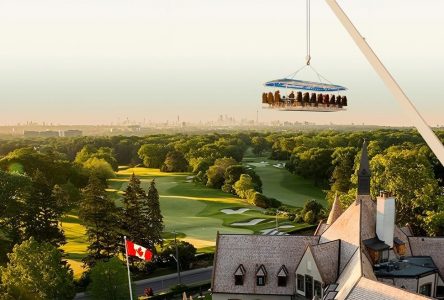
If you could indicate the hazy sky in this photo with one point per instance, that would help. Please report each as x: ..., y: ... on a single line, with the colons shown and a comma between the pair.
x: 101, y: 61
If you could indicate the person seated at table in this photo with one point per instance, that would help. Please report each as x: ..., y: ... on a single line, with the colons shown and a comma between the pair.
x: 264, y: 98
x: 270, y: 98
x: 299, y: 97
x: 326, y: 100
x: 319, y: 99
x: 277, y: 98
x: 333, y: 100
x: 313, y: 99
x: 305, y: 99
x: 344, y: 100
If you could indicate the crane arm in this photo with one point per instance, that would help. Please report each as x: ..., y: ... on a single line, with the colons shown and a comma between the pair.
x: 426, y: 132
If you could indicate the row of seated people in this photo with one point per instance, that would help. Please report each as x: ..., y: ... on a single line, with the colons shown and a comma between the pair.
x: 303, y: 99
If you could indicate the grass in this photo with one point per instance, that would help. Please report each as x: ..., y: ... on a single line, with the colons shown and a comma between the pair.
x: 75, y: 248
x: 194, y: 210
x: 279, y: 183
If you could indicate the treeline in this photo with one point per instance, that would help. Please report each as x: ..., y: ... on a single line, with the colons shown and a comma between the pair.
x: 400, y: 162
x: 329, y: 158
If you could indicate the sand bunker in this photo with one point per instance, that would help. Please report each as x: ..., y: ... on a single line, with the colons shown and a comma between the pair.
x: 250, y: 223
x: 286, y: 226
x: 239, y: 211
x: 260, y: 164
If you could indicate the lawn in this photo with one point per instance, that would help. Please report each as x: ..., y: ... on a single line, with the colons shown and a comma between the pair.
x: 279, y: 183
x: 195, y: 211
x: 192, y: 210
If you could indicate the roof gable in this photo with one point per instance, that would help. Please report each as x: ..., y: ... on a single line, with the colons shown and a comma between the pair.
x: 347, y: 229
x: 335, y: 212
x: 283, y: 272
x: 326, y: 257
x: 261, y: 271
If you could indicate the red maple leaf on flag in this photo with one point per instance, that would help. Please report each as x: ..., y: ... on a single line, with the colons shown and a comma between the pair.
x: 138, y: 251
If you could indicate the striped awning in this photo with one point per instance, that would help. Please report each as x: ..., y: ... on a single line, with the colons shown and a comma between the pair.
x: 304, y: 85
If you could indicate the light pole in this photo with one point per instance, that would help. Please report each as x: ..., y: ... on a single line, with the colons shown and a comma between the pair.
x: 277, y: 224
x: 176, y: 258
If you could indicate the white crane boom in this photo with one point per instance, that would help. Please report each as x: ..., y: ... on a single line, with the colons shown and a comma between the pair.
x: 426, y: 132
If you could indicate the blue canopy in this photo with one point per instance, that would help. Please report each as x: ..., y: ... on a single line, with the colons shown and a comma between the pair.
x: 304, y: 85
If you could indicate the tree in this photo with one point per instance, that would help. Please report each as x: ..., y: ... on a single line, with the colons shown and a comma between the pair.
x: 175, y: 162
x: 142, y: 219
x: 153, y: 217
x: 14, y: 190
x: 314, y: 163
x: 133, y: 221
x: 153, y: 155
x: 200, y: 164
x: 243, y: 186
x: 216, y: 173
x: 434, y: 223
x: 100, y: 216
x: 232, y: 174
x: 343, y: 163
x: 41, y: 213
x: 109, y: 281
x: 187, y: 254
x: 409, y: 176
x: 100, y: 167
x: 29, y: 160
x: 36, y: 271
x: 259, y: 144
x: 312, y: 212
x: 103, y: 153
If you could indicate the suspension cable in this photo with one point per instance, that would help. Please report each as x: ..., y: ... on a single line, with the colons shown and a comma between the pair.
x: 308, y: 58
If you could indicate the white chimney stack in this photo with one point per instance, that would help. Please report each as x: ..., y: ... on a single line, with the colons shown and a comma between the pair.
x: 385, y: 218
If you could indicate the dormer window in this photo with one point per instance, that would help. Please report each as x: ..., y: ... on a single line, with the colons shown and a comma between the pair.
x: 261, y: 276
x: 282, y: 276
x: 239, y: 275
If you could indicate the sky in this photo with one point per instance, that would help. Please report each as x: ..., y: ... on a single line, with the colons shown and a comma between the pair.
x: 103, y: 61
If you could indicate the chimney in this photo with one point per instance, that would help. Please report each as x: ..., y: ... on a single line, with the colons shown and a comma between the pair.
x: 385, y: 218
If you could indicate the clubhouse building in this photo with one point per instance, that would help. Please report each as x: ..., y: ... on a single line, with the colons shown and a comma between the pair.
x: 358, y: 253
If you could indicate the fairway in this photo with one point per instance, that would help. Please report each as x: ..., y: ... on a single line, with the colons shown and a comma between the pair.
x: 279, y: 183
x: 193, y: 210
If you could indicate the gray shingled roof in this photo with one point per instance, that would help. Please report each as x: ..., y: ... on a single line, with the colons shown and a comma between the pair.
x: 374, y: 290
x: 429, y: 246
x: 327, y: 259
x: 335, y: 212
x: 252, y: 251
x: 346, y: 229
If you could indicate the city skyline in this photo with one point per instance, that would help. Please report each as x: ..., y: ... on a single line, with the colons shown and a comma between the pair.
x: 92, y: 62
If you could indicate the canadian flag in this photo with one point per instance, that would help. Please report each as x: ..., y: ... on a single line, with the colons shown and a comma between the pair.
x: 138, y: 251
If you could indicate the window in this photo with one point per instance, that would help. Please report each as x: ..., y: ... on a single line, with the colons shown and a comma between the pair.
x: 260, y: 280
x: 261, y: 275
x: 384, y: 255
x: 282, y: 276
x: 282, y: 281
x: 440, y: 291
x: 318, y: 289
x: 426, y: 289
x: 239, y: 275
x: 300, y: 279
x: 238, y: 279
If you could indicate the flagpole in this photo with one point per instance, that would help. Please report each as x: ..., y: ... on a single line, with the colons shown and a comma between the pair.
x: 127, y: 265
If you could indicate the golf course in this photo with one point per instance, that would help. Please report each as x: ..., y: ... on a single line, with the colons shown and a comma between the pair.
x: 197, y: 212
